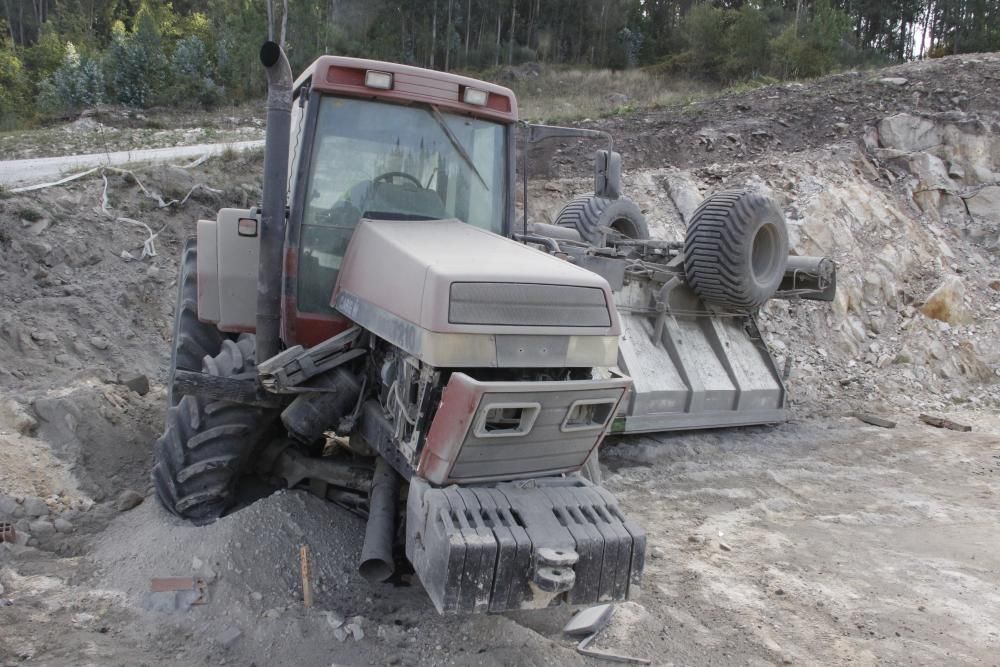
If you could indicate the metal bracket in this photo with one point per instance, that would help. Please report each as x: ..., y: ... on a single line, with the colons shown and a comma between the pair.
x: 288, y: 370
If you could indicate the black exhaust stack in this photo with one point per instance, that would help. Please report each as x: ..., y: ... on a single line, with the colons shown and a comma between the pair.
x: 377, y: 563
x: 272, y: 221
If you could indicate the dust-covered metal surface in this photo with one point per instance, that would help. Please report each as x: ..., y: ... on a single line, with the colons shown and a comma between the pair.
x: 494, y: 431
x: 522, y: 545
x: 701, y: 372
x: 692, y: 365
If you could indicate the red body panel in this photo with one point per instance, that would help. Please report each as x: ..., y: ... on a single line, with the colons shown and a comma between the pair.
x: 455, y: 413
x: 346, y: 76
x: 298, y: 328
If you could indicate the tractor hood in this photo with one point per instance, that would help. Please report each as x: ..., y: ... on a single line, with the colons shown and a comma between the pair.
x: 456, y: 295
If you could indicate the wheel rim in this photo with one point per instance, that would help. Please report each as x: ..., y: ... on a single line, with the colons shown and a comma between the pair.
x: 763, y: 257
x: 625, y: 227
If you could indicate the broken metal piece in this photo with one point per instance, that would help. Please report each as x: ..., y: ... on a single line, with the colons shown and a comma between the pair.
x: 233, y: 389
x: 582, y: 649
x: 295, y: 467
x: 941, y: 422
x: 289, y: 369
x: 181, y: 584
x: 228, y: 636
x: 589, y: 621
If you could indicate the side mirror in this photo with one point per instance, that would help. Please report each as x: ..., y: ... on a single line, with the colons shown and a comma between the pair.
x: 608, y: 174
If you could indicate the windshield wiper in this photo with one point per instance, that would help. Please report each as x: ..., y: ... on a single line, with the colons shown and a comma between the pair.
x: 457, y: 144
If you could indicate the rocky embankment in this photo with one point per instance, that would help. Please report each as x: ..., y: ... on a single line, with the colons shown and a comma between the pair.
x: 907, y: 201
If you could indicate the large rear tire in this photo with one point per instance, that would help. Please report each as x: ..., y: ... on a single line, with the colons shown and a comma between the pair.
x: 588, y: 213
x: 207, y: 444
x: 193, y: 339
x: 735, y: 250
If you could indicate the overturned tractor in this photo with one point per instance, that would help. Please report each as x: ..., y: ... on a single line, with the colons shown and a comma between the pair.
x: 383, y: 332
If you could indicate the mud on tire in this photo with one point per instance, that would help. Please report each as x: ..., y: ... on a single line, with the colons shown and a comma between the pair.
x: 588, y: 213
x: 207, y: 444
x: 735, y: 250
x: 193, y: 340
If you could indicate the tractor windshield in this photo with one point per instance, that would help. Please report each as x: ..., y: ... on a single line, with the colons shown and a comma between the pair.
x: 378, y: 160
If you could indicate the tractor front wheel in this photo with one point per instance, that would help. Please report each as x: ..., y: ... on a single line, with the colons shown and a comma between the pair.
x: 207, y: 444
x: 193, y: 339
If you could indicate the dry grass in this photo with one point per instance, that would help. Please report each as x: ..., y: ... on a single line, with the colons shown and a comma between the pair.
x: 120, y: 129
x: 560, y: 94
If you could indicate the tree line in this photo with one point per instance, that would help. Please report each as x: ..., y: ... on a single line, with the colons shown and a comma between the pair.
x: 59, y: 56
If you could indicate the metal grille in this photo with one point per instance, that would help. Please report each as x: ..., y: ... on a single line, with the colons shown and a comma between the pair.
x: 528, y: 304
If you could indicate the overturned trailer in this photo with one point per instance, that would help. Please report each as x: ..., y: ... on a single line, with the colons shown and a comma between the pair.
x: 690, y: 340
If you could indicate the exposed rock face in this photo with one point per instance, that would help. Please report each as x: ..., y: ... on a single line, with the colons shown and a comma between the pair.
x: 947, y: 302
x: 908, y: 133
x: 914, y: 226
x: 952, y: 159
x: 985, y: 203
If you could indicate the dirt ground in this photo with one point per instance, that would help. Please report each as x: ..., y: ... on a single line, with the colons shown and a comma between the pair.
x: 821, y: 541
x: 825, y: 541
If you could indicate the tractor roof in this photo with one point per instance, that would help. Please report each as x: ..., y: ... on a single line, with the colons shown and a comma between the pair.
x: 347, y: 76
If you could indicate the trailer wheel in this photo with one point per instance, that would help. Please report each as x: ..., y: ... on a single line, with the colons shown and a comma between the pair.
x: 207, y: 444
x: 588, y: 213
x: 193, y: 339
x: 735, y: 250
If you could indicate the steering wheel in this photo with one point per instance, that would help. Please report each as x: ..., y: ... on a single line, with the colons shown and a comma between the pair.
x: 390, y: 175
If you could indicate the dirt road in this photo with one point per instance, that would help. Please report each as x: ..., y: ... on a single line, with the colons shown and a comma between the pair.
x: 819, y: 542
x: 18, y: 173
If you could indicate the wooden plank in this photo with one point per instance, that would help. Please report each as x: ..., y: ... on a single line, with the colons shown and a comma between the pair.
x: 941, y: 422
x: 307, y: 595
x: 874, y: 421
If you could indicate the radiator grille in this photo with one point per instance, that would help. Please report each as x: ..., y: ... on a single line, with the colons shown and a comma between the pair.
x: 528, y: 304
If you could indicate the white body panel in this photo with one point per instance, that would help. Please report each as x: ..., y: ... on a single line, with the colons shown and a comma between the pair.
x: 408, y: 267
x: 227, y: 271
x: 208, y: 271
x: 396, y: 281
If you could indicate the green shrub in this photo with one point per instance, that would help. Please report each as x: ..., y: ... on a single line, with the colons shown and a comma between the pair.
x: 136, y: 65
x: 14, y: 90
x: 45, y: 57
x: 816, y: 47
x: 705, y: 28
x: 77, y: 84
x: 748, y: 53
x: 191, y: 73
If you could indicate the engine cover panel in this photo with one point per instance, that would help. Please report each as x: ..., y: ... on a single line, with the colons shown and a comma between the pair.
x: 409, y: 269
